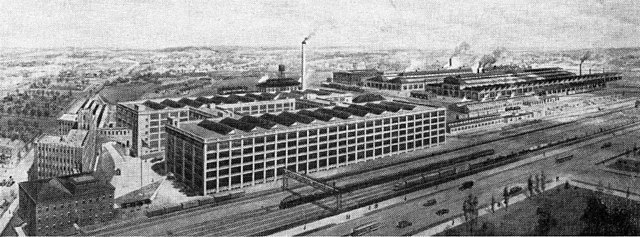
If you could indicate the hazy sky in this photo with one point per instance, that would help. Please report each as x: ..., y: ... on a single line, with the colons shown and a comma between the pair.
x: 423, y: 24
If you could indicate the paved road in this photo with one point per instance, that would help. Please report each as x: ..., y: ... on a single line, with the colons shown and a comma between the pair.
x: 586, y: 155
x: 217, y: 216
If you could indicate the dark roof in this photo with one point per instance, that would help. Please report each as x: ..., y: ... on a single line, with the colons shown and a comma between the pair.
x: 398, y: 104
x: 317, y: 115
x: 279, y: 82
x: 268, y: 95
x: 216, y: 127
x: 279, y: 120
x: 435, y: 72
x: 360, y: 113
x: 367, y: 98
x: 242, y: 98
x: 390, y: 108
x: 263, y: 123
x: 172, y: 103
x: 297, y: 117
x: 247, y: 127
x: 153, y: 105
x: 64, y: 187
x: 190, y: 102
x: 258, y: 97
x: 334, y: 113
x: 370, y: 109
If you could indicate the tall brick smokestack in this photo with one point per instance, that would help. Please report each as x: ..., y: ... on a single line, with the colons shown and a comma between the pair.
x: 303, y: 66
x: 450, y: 62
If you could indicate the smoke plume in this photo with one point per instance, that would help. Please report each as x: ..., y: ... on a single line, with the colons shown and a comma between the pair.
x: 313, y: 33
x: 463, y: 47
x: 585, y: 57
x: 490, y: 59
x: 263, y: 78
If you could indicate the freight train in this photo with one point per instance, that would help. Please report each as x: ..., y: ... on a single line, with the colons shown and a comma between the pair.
x: 437, y: 167
x: 216, y: 200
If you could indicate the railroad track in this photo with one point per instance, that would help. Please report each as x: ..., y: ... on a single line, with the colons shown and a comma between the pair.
x: 155, y: 221
x: 281, y: 219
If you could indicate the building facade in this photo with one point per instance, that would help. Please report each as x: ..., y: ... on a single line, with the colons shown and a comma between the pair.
x: 411, y: 81
x: 146, y: 119
x: 52, y: 206
x: 219, y: 155
x: 355, y: 77
x: 64, y: 155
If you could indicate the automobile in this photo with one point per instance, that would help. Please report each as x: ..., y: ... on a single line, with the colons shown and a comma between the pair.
x: 466, y: 185
x: 515, y: 190
x: 403, y: 224
x: 430, y: 203
x: 442, y: 212
x: 606, y: 145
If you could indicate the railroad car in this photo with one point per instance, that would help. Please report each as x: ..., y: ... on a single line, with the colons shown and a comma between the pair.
x: 564, y: 159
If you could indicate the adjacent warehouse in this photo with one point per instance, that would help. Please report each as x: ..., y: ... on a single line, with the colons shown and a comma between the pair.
x: 525, y: 82
x: 216, y: 155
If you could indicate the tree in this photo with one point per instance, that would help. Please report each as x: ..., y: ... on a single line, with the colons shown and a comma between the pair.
x: 505, y: 194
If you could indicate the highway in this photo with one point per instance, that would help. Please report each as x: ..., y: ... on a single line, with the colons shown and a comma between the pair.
x: 230, y: 219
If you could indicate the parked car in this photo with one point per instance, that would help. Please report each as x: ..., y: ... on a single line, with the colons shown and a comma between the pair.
x: 442, y: 212
x: 606, y: 145
x: 403, y: 224
x: 466, y: 185
x: 430, y: 203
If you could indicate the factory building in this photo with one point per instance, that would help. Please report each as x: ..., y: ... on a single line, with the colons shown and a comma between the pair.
x: 58, y: 155
x: 526, y: 82
x: 278, y: 84
x: 355, y: 77
x: 52, y: 206
x: 410, y: 81
x: 217, y: 155
x: 146, y: 118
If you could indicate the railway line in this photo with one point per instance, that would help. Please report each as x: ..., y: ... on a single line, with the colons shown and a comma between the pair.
x: 126, y: 229
x: 282, y: 219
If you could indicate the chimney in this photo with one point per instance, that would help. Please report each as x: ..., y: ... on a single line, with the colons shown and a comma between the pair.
x: 281, y: 69
x: 450, y: 62
x: 580, y: 69
x: 302, y: 86
x: 479, y: 67
x: 589, y: 70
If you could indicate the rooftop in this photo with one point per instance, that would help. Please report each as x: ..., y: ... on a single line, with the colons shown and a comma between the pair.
x: 248, y: 125
x: 69, y: 117
x: 279, y: 82
x: 58, y: 188
x: 75, y: 138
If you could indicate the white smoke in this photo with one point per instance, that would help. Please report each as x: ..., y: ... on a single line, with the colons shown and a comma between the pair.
x: 415, y: 65
x: 263, y: 78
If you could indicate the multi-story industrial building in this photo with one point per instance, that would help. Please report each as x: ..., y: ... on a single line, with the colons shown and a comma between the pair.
x: 216, y: 155
x: 525, y: 82
x: 52, y: 206
x: 146, y: 118
x: 409, y: 81
x: 67, y: 154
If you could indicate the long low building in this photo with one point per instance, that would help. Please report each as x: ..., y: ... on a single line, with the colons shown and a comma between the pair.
x: 216, y: 155
x: 524, y: 82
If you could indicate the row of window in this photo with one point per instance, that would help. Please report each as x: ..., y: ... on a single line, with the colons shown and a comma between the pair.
x: 322, y: 131
x: 310, y: 144
x: 234, y: 176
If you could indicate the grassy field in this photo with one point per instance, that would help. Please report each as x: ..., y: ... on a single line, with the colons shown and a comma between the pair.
x: 565, y: 206
x: 127, y: 92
